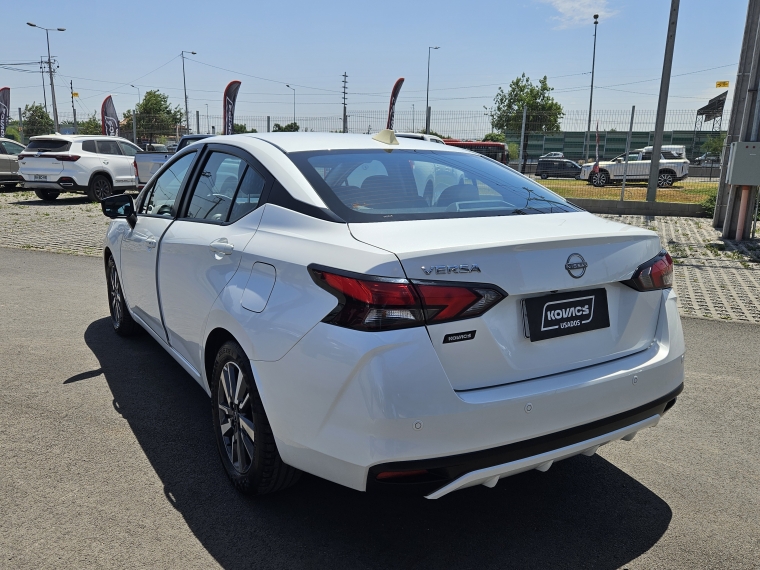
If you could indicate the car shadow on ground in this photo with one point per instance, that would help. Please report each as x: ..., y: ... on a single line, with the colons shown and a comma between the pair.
x: 584, y: 512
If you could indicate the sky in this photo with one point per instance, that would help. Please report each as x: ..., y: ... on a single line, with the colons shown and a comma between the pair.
x: 109, y: 46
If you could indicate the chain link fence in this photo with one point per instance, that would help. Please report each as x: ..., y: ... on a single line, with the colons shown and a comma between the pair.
x: 570, y: 145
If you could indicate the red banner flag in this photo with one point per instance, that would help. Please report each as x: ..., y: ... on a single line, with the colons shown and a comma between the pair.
x: 392, y: 106
x: 108, y: 117
x: 230, y: 96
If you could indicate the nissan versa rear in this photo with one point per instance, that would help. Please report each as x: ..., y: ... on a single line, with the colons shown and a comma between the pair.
x: 391, y: 313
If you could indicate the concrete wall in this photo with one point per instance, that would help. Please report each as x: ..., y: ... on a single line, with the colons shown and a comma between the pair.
x: 637, y: 208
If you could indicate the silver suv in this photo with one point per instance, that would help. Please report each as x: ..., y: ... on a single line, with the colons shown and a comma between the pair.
x: 97, y: 166
x: 9, y: 151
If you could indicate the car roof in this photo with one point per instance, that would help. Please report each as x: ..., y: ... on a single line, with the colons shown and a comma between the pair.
x: 298, y: 142
x: 72, y: 138
x: 3, y: 139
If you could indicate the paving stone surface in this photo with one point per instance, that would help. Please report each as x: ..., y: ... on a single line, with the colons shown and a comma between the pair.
x: 714, y: 278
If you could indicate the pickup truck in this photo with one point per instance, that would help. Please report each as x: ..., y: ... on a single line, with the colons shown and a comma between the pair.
x: 148, y: 163
x: 673, y: 167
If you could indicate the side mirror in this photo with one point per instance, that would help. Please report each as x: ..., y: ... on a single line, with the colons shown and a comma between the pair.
x: 120, y: 206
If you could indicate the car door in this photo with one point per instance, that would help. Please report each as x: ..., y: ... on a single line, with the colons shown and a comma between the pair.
x: 113, y: 160
x: 202, y: 249
x: 5, y: 164
x: 12, y: 150
x: 130, y: 151
x: 139, y: 247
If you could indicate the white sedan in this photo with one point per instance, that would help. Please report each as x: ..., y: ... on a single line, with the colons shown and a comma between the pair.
x: 348, y: 325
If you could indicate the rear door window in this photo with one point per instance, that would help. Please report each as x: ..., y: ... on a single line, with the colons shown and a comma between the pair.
x: 89, y: 146
x: 12, y: 148
x: 248, y: 194
x: 108, y: 147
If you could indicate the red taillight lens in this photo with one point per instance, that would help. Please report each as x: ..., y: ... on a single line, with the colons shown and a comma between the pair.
x: 134, y: 165
x: 371, y: 304
x: 657, y: 273
x: 451, y: 302
x: 66, y: 157
x: 376, y: 303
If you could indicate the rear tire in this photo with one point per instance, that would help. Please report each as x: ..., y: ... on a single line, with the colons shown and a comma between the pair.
x: 47, y: 195
x: 599, y: 179
x: 665, y: 179
x: 544, y: 176
x: 122, y: 321
x: 100, y: 188
x: 243, y: 435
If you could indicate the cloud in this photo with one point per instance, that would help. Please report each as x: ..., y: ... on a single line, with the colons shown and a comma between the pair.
x: 574, y: 13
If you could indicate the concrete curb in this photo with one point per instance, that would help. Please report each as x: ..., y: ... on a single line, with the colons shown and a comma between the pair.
x: 638, y: 208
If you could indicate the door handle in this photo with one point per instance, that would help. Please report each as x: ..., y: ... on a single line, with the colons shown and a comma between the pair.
x: 222, y: 246
x: 151, y: 243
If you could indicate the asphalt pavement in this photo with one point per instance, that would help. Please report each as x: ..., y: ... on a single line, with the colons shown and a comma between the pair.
x: 107, y: 460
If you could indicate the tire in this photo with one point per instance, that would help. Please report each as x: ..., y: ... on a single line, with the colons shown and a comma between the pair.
x: 122, y: 321
x: 544, y: 176
x: 599, y: 179
x: 100, y: 188
x: 665, y: 179
x: 47, y: 195
x: 243, y: 435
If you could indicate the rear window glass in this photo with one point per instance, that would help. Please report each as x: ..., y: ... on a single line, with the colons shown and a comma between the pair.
x: 49, y: 145
x: 88, y: 146
x: 400, y: 184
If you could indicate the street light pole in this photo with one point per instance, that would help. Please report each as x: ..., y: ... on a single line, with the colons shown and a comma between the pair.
x: 50, y: 70
x: 591, y: 97
x: 207, y: 128
x: 184, y: 83
x: 139, y: 97
x: 427, y: 94
x: 294, y: 102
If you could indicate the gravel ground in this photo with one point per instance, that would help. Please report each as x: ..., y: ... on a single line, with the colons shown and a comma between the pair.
x: 107, y: 460
x: 714, y: 278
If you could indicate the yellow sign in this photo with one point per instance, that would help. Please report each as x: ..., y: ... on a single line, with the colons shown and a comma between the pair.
x: 721, y: 84
x: 75, y: 94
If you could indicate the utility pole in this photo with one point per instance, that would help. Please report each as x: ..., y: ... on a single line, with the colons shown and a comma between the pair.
x: 44, y: 91
x: 73, y: 109
x: 662, y: 104
x: 50, y: 70
x: 184, y: 84
x: 427, y: 94
x: 412, y: 117
x: 591, y: 96
x: 345, y: 116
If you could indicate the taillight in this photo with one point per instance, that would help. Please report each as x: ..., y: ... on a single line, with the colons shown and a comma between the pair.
x: 66, y: 157
x: 657, y: 273
x: 378, y: 303
x: 134, y: 165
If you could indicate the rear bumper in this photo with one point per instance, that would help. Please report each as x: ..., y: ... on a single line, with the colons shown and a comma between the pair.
x: 63, y: 184
x: 347, y: 405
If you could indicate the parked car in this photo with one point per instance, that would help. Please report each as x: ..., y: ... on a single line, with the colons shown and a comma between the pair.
x: 345, y: 327
x: 155, y: 147
x: 421, y: 137
x: 672, y: 168
x: 149, y: 162
x: 557, y: 168
x: 9, y: 151
x: 553, y: 155
x: 97, y: 166
x: 707, y: 158
x: 495, y: 150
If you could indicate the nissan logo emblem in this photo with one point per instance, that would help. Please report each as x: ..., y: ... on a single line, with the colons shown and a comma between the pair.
x: 576, y: 265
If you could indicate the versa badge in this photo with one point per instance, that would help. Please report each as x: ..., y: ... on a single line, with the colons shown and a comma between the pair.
x: 444, y: 269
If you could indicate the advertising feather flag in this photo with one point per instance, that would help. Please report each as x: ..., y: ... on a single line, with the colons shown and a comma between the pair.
x: 230, y: 97
x: 392, y: 106
x: 109, y: 118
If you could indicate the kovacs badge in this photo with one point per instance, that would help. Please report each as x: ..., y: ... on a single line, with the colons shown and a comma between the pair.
x: 576, y: 265
x: 442, y: 269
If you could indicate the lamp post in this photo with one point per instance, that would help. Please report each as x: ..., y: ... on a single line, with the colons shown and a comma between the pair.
x: 427, y: 94
x: 50, y: 68
x: 184, y: 83
x: 591, y: 97
x: 139, y: 97
x: 294, y: 102
x: 207, y: 129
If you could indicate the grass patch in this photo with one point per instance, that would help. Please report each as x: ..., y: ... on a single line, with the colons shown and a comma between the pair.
x: 684, y: 192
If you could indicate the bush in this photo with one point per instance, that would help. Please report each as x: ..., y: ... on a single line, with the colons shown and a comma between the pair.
x: 708, y: 205
x: 494, y: 137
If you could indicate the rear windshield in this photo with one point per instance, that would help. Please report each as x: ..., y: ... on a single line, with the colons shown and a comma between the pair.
x: 49, y: 145
x: 395, y: 184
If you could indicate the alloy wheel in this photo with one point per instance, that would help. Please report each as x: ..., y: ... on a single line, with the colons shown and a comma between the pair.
x: 101, y: 188
x: 114, y: 292
x: 235, y: 417
x: 665, y: 180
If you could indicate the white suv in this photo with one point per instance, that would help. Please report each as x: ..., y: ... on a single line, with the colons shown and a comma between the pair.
x: 673, y: 167
x: 97, y: 166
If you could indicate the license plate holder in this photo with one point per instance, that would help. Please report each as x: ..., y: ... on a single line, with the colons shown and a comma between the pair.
x: 40, y: 176
x: 562, y: 314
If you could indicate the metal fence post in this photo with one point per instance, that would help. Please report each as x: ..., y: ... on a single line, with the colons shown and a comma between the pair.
x: 522, y: 140
x: 134, y: 126
x: 269, y: 124
x: 427, y: 120
x: 197, y: 121
x: 627, y: 150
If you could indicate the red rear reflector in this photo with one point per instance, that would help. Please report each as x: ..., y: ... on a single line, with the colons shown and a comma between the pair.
x: 385, y: 475
x: 657, y: 273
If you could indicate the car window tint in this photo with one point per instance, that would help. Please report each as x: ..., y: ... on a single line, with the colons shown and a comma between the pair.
x: 12, y: 148
x: 248, y: 195
x: 163, y: 195
x: 48, y: 145
x: 216, y: 186
x: 89, y: 146
x: 108, y: 147
x: 128, y: 149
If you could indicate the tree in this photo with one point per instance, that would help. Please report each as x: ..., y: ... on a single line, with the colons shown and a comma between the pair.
x: 543, y: 112
x: 238, y: 128
x: 155, y: 117
x: 494, y: 137
x: 289, y: 128
x: 36, y: 121
x: 714, y: 145
x: 90, y: 126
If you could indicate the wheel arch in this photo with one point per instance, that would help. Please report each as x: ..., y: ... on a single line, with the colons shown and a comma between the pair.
x: 214, y: 341
x: 100, y: 172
